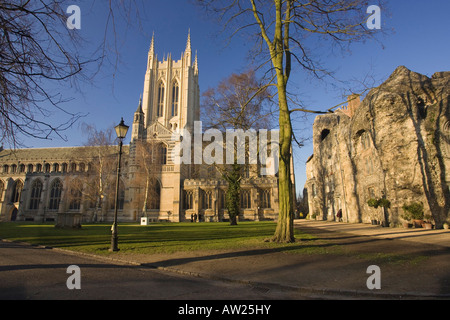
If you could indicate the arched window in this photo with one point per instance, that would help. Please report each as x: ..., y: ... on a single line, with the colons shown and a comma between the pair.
x: 55, y: 167
x: 22, y: 168
x: 55, y: 194
x: 18, y: 187
x: 163, y: 152
x: 30, y: 168
x: 160, y: 107
x: 47, y: 168
x: 35, y: 198
x: 5, y: 168
x: 188, y: 202
x: 14, y: 168
x: 265, y: 199
x: 246, y: 199
x: 175, y: 98
x: 206, y: 197
x: 39, y: 167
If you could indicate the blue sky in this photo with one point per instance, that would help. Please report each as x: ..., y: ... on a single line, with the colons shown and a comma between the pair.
x: 418, y: 34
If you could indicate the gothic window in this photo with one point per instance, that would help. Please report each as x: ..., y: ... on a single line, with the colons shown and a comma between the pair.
x: 30, y: 168
x: 175, y: 99
x: 13, y: 168
x: 5, y: 168
x: 223, y: 199
x: 188, y: 199
x: 160, y: 107
x: 265, y: 199
x: 206, y: 199
x: 245, y: 199
x: 163, y: 153
x: 64, y: 167
x: 56, y: 167
x: 36, y: 191
x: 18, y: 187
x: 47, y: 167
x: 39, y: 167
x: 55, y: 194
x: 22, y: 168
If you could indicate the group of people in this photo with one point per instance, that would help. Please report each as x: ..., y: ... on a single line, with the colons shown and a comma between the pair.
x: 194, y: 217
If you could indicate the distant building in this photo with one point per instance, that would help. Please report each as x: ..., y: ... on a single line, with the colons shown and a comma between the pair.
x: 395, y: 145
x: 37, y: 184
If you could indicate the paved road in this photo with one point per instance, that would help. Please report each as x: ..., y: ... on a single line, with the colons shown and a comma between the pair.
x: 34, y: 273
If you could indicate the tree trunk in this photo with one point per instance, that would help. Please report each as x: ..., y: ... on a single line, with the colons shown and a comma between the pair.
x: 285, y: 227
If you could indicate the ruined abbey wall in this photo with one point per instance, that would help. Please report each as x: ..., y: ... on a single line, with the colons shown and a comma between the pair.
x: 395, y: 144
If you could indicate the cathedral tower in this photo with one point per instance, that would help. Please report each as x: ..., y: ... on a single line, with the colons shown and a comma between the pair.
x: 171, y: 97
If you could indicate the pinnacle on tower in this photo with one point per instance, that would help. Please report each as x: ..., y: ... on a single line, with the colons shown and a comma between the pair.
x: 152, y: 44
x: 188, y: 44
x: 139, y: 109
x: 151, y: 53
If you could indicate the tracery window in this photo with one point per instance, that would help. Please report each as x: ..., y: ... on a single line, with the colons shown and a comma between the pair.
x: 246, y: 199
x: 265, y: 199
x: 18, y: 187
x: 35, y: 198
x: 160, y: 107
x: 175, y: 98
x: 55, y: 194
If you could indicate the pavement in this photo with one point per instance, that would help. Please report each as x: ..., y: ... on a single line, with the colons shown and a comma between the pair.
x: 332, y: 263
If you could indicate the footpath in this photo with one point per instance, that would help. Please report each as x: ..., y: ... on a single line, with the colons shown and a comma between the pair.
x: 414, y: 263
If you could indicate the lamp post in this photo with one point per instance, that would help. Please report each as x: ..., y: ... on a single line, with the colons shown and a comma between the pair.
x: 121, y: 131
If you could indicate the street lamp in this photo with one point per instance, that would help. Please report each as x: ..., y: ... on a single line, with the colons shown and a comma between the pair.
x: 121, y: 131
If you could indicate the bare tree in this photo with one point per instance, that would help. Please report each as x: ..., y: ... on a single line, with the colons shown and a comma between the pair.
x: 149, y: 159
x: 239, y: 102
x: 38, y: 52
x: 98, y: 177
x: 284, y: 31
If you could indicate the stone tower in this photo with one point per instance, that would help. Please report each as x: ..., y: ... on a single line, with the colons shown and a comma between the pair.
x: 171, y: 95
x: 169, y: 104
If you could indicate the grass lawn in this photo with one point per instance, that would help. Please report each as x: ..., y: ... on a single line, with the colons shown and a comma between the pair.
x: 152, y: 239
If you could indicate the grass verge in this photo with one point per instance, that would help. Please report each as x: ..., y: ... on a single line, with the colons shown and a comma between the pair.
x: 162, y: 238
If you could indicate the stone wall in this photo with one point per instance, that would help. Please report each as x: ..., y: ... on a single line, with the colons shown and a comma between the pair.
x: 395, y: 145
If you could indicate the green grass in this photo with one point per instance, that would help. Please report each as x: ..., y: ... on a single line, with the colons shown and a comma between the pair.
x: 156, y: 238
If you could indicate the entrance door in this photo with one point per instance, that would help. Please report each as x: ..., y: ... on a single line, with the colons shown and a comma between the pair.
x: 14, y: 214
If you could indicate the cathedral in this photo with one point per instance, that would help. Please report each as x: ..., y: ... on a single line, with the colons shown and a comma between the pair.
x: 46, y: 184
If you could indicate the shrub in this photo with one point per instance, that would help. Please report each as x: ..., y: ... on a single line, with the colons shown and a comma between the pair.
x: 375, y: 203
x: 413, y: 211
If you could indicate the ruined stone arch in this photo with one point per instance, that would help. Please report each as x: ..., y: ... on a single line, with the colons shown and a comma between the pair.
x: 324, y: 134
